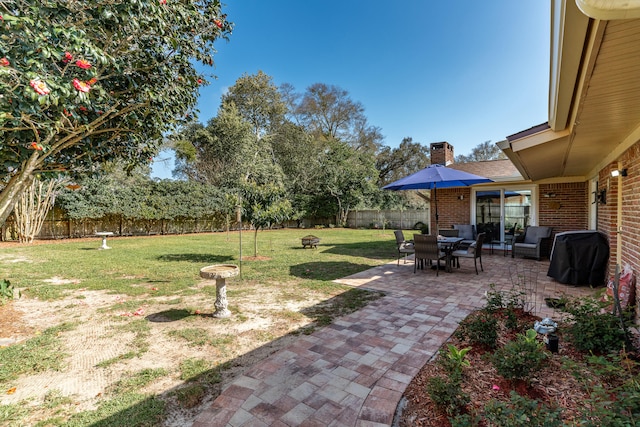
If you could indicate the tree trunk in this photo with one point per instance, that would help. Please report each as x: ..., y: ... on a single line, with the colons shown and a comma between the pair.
x: 16, y: 185
x: 255, y: 243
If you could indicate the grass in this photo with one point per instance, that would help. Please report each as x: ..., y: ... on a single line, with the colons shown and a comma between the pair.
x: 164, y: 271
x: 38, y: 354
x: 172, y: 263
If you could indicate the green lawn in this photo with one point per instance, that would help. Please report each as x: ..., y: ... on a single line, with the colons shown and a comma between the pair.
x: 172, y: 263
x: 288, y: 291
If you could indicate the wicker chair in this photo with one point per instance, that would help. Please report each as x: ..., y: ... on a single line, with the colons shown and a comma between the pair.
x: 405, y: 247
x: 474, y: 251
x: 468, y: 234
x: 533, y: 243
x: 426, y: 247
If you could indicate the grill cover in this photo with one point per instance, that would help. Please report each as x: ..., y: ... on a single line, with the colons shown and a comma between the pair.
x: 579, y: 258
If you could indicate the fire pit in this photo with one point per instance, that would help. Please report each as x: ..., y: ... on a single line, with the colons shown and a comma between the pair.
x: 311, y: 241
x: 220, y: 272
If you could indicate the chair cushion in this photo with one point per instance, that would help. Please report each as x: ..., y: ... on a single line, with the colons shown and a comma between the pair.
x: 464, y: 254
x: 466, y: 231
x: 406, y: 247
x: 526, y: 245
x: 533, y: 234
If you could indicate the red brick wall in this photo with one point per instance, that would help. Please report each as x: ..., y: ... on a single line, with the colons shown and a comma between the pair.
x: 451, y: 209
x: 566, y: 209
x: 607, y: 214
x: 441, y: 153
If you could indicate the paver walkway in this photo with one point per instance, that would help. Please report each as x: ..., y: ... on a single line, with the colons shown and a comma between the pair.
x: 354, y: 371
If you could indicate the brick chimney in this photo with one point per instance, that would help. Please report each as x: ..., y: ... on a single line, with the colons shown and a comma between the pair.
x: 441, y: 153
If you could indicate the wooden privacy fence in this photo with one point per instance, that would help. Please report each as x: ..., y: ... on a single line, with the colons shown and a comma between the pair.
x: 65, y: 228
x: 396, y: 219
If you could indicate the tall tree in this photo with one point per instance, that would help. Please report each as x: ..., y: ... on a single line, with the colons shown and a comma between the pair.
x: 349, y: 175
x: 407, y: 158
x: 258, y: 101
x: 327, y: 111
x: 82, y: 84
x: 482, y: 151
x: 226, y: 152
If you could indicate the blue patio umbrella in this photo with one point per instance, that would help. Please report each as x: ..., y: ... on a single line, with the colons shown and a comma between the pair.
x: 434, y: 177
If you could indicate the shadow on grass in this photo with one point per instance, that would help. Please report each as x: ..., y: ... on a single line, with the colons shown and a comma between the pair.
x: 169, y: 315
x: 326, y: 270
x: 175, y: 315
x: 372, y: 250
x: 195, y: 258
x: 207, y: 384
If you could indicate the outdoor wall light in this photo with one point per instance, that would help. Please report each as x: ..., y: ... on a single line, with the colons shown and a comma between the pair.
x: 549, y: 194
x: 461, y: 197
x: 619, y: 172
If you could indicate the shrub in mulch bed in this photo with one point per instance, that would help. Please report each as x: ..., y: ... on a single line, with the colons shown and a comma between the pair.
x: 534, y: 387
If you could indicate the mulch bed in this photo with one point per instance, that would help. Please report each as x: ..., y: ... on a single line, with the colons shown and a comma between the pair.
x: 554, y: 385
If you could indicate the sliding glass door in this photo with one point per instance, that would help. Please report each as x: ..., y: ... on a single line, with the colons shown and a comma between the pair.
x: 498, y: 211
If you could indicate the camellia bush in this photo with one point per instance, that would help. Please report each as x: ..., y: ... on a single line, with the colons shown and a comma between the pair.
x: 84, y: 82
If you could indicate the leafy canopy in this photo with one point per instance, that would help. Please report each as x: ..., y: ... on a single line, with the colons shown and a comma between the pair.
x: 87, y: 82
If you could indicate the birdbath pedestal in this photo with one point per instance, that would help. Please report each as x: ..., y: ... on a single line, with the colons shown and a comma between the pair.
x: 104, y: 235
x: 220, y: 272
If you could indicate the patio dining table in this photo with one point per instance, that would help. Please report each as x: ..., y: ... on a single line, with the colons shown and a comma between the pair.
x: 448, y: 245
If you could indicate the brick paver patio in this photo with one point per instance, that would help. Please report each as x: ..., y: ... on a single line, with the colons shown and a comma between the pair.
x: 354, y: 371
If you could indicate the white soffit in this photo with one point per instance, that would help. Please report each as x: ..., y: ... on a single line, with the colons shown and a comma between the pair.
x: 610, y: 9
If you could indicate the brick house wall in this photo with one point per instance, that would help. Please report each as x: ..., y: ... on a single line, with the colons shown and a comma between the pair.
x: 451, y: 209
x: 564, y: 206
x: 607, y: 214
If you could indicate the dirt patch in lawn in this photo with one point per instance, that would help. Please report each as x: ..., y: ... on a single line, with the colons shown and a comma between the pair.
x: 112, y: 337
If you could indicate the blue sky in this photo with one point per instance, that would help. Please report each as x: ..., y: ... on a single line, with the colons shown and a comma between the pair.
x: 458, y: 71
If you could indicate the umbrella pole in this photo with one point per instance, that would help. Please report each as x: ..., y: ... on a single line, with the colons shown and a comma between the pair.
x: 435, y: 197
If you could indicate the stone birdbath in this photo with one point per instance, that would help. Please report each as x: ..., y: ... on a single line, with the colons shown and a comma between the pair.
x: 104, y: 235
x: 220, y: 272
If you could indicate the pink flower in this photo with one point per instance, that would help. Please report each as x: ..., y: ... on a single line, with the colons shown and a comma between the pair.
x: 39, y: 86
x: 81, y: 86
x: 67, y: 57
x: 4, y: 62
x: 83, y: 64
x: 163, y: 1
x: 496, y: 387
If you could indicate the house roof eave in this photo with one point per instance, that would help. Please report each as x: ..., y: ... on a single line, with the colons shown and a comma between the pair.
x: 566, y: 59
x: 610, y: 9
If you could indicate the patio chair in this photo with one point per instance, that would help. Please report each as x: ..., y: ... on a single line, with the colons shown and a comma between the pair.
x: 449, y: 232
x: 426, y: 249
x: 468, y: 234
x: 405, y: 247
x: 473, y: 251
x: 533, y: 243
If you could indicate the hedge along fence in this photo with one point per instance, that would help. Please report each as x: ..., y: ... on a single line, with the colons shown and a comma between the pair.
x: 56, y: 226
x: 396, y: 219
